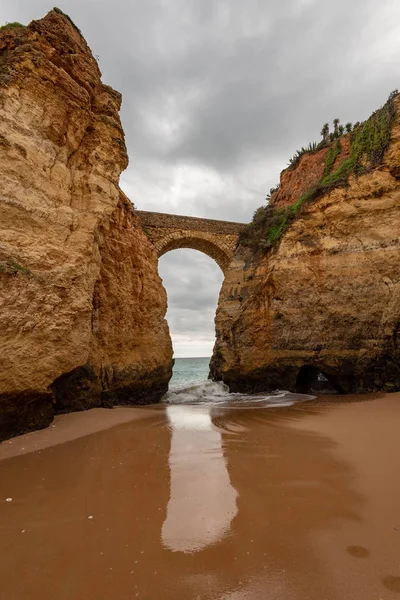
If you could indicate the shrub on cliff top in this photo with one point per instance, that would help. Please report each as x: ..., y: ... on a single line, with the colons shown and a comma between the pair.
x: 12, y: 25
x: 270, y: 222
x: 310, y: 149
x: 327, y: 137
x: 272, y: 191
x: 368, y: 143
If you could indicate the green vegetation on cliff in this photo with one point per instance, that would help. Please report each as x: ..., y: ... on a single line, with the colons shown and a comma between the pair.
x: 327, y: 138
x: 12, y: 25
x: 368, y: 143
x: 12, y: 267
x: 331, y: 156
x: 310, y: 149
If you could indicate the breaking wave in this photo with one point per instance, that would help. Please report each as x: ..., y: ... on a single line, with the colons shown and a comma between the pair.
x: 212, y: 392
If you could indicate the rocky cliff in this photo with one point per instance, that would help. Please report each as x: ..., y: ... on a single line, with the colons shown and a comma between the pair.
x: 81, y: 303
x: 324, y: 297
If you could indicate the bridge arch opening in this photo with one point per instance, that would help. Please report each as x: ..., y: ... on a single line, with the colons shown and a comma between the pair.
x: 201, y: 244
x: 192, y: 279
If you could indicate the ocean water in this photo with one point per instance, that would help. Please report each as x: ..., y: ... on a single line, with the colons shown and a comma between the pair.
x: 189, y: 370
x: 190, y: 385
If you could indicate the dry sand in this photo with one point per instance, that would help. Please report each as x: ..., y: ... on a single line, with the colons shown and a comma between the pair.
x: 189, y: 503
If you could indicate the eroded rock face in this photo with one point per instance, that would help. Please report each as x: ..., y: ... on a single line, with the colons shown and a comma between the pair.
x: 327, y: 299
x: 310, y: 169
x: 81, y: 303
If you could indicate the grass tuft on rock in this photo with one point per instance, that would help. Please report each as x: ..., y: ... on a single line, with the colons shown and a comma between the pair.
x: 12, y: 267
x: 13, y: 25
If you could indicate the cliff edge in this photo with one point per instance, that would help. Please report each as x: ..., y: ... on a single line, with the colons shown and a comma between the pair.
x: 314, y: 289
x: 81, y: 303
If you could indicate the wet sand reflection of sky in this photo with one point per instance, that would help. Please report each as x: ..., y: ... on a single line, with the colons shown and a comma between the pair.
x: 202, y: 500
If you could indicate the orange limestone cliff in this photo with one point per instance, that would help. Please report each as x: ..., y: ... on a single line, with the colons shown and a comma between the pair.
x: 314, y: 288
x: 81, y: 303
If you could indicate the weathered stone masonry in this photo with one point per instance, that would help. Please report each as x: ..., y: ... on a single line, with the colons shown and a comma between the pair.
x: 217, y: 239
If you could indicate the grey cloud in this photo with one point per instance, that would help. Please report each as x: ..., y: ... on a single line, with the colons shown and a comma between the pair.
x: 227, y: 97
x: 192, y: 282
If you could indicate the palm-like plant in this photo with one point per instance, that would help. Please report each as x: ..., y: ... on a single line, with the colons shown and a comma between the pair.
x: 325, y: 132
x: 336, y: 125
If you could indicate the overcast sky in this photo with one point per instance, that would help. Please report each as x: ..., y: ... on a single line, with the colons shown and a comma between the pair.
x: 217, y: 95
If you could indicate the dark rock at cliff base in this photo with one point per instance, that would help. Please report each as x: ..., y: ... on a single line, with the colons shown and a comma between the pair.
x: 24, y: 412
x: 141, y: 394
x: 78, y: 390
x: 82, y: 389
x: 383, y: 374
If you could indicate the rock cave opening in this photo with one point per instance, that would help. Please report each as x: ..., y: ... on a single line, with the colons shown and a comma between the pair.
x: 312, y: 380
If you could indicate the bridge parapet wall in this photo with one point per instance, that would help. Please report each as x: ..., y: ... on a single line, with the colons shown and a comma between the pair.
x: 217, y: 239
x: 155, y: 219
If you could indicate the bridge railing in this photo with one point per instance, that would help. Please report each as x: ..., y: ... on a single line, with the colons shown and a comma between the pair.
x: 156, y: 219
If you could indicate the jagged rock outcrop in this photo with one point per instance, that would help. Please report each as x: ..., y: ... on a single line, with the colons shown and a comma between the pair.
x: 81, y: 304
x: 326, y: 299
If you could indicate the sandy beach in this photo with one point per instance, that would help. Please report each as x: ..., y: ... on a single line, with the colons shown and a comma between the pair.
x: 190, y: 502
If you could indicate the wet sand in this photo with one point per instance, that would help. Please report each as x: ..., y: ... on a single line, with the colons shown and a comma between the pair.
x: 186, y: 502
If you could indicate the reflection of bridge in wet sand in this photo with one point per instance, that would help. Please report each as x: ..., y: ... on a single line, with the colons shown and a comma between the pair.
x: 202, y: 501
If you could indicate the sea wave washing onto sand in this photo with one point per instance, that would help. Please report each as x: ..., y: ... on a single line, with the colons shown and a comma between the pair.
x: 212, y: 392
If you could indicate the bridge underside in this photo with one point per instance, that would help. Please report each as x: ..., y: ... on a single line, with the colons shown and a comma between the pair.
x: 221, y: 255
x: 217, y: 239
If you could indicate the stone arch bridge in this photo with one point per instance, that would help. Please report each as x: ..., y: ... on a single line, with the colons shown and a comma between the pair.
x: 217, y: 239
